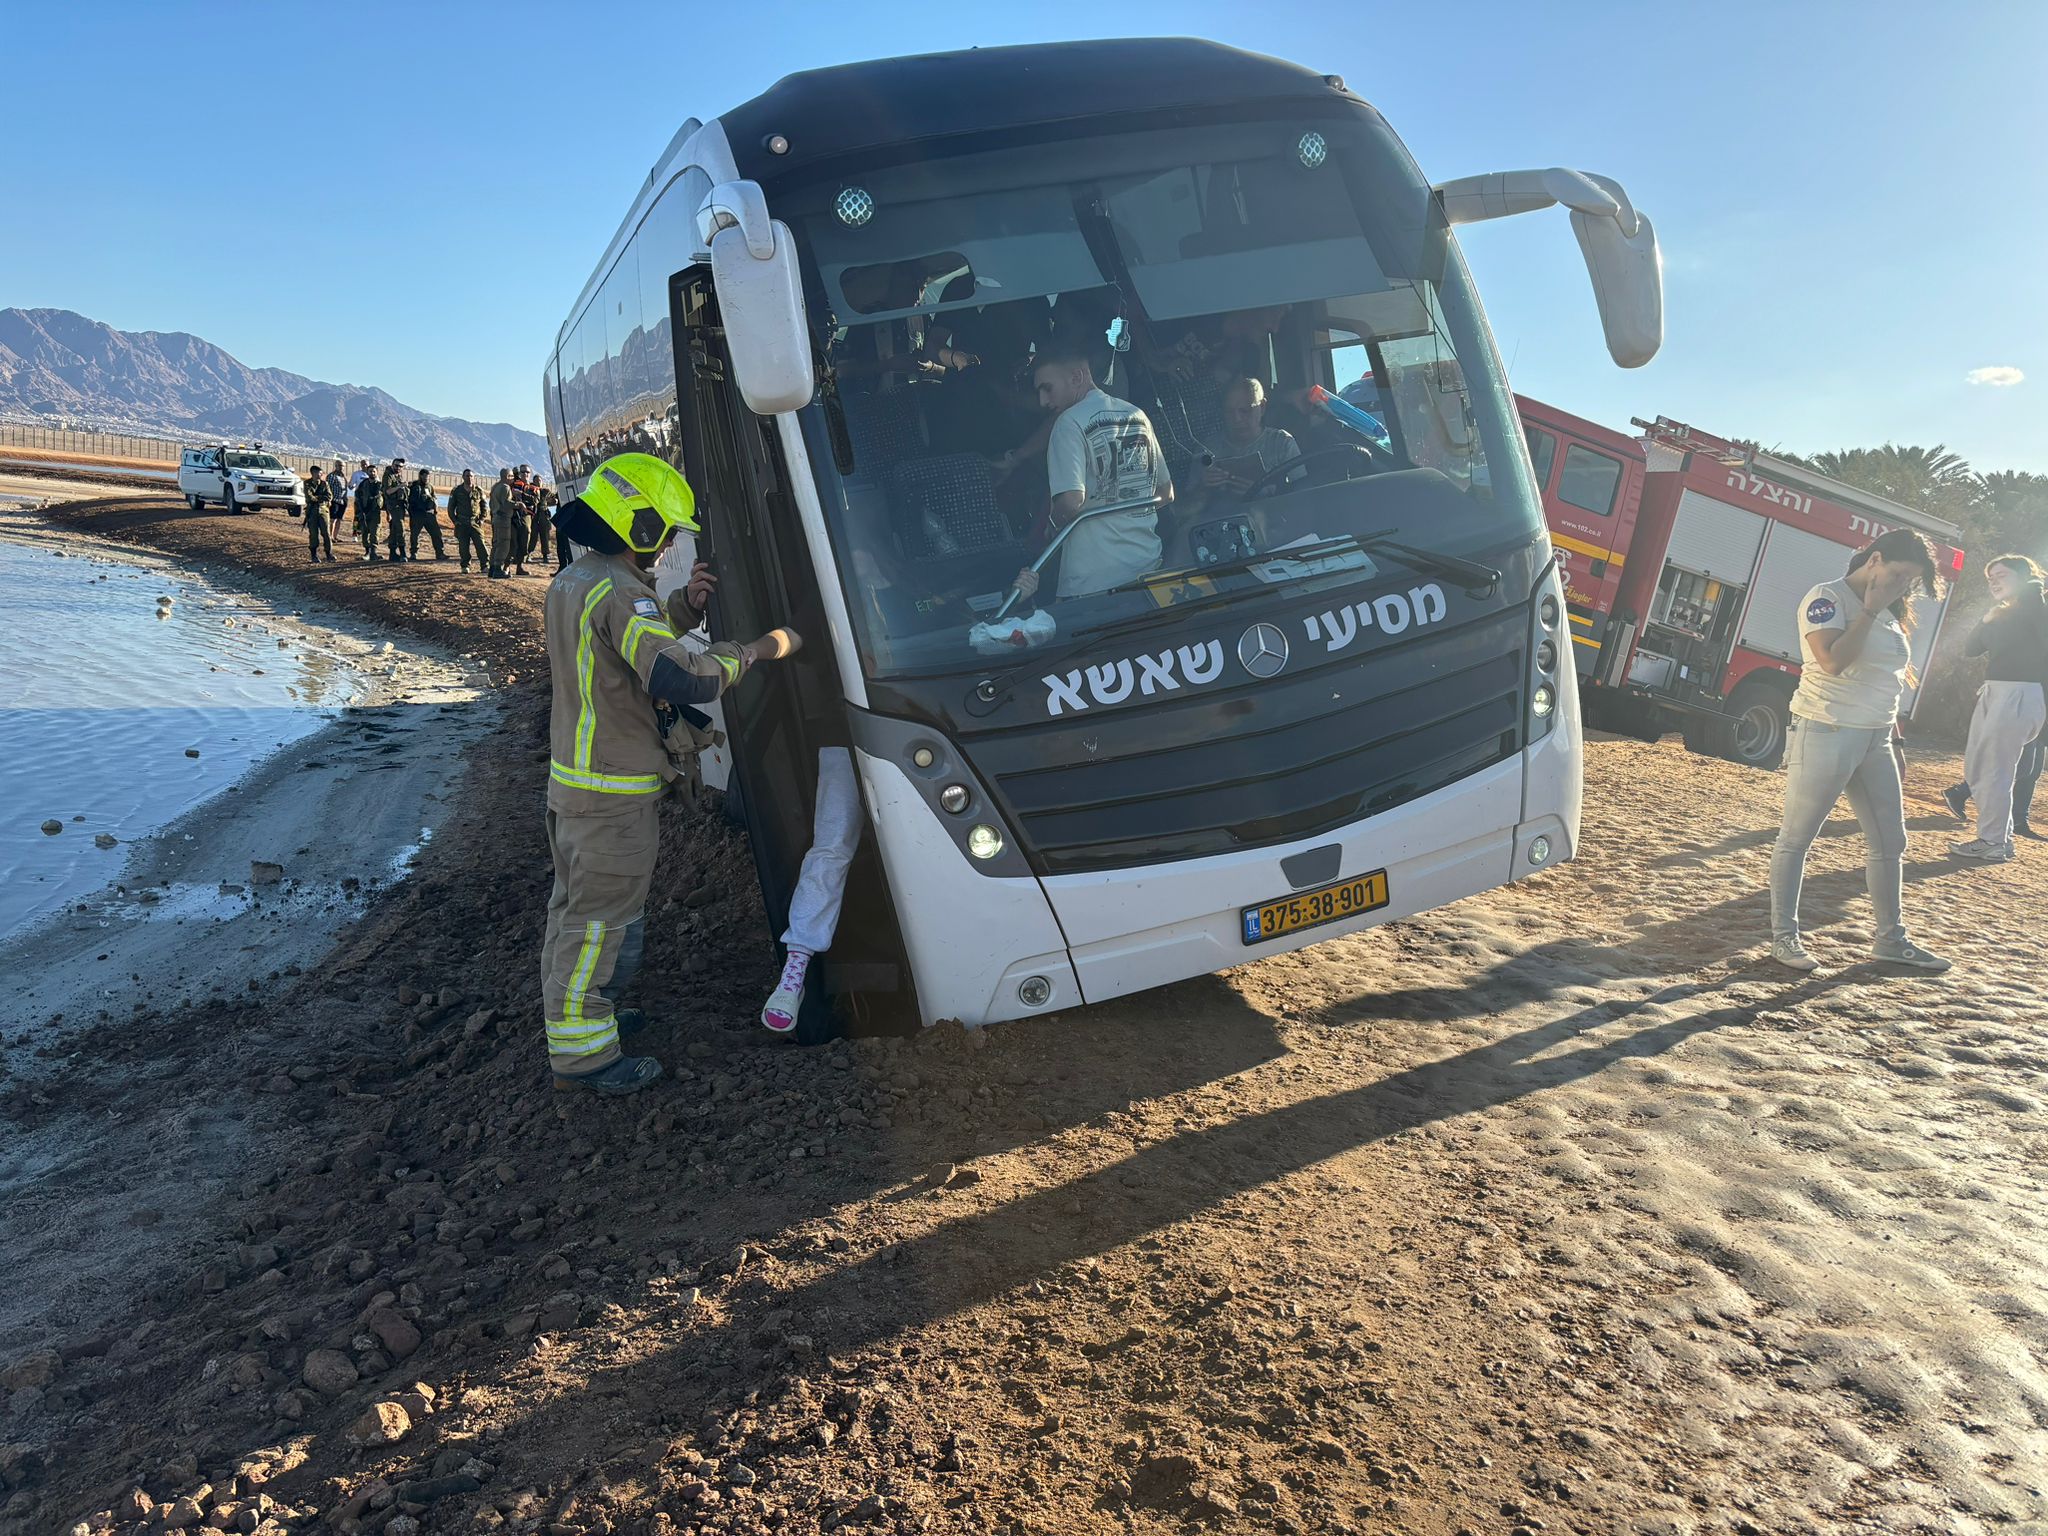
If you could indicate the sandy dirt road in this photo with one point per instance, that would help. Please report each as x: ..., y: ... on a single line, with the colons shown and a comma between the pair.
x: 1559, y: 1210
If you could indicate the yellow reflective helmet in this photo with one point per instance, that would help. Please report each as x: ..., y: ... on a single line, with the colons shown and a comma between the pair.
x: 640, y: 498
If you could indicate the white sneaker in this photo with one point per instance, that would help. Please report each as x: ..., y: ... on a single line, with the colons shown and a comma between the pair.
x: 779, y: 1015
x: 1983, y: 852
x: 1791, y: 954
x: 1910, y: 954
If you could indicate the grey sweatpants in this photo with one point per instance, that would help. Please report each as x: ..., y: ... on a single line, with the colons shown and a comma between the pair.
x: 2008, y: 717
x: 835, y: 835
x: 1822, y: 763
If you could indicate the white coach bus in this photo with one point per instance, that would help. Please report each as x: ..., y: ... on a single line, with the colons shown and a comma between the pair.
x: 1325, y: 688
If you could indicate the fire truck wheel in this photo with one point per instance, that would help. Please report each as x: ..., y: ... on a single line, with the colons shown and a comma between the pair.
x: 1762, y: 711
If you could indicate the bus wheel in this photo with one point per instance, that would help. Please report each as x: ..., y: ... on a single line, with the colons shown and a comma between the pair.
x: 1762, y: 712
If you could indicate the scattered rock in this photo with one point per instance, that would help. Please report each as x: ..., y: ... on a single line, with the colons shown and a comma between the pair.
x: 398, y: 1336
x: 181, y: 1514
x: 191, y: 751
x: 382, y: 1424
x: 263, y: 872
x: 53, y: 826
x: 329, y: 1372
x: 36, y: 1370
x: 104, y: 840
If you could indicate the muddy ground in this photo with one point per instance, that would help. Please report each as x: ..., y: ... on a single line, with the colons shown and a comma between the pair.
x: 1559, y: 1210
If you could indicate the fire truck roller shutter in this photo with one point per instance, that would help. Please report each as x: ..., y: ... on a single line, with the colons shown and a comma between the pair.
x: 1794, y: 563
x: 1711, y: 538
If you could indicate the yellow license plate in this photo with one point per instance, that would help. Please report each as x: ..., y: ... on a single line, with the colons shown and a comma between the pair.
x: 1309, y: 909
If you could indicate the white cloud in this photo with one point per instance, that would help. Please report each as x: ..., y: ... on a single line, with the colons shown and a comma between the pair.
x: 2000, y: 377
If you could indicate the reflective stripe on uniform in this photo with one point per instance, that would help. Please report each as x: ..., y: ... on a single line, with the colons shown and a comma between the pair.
x: 731, y: 664
x: 586, y: 720
x: 561, y: 1045
x: 579, y: 978
x: 606, y: 783
x: 638, y: 629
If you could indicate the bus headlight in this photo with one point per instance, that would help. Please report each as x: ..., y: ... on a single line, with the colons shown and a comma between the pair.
x: 1543, y: 701
x: 984, y: 841
x: 1547, y: 610
x: 1539, y: 851
x: 954, y: 798
x: 1034, y: 991
x: 1546, y: 656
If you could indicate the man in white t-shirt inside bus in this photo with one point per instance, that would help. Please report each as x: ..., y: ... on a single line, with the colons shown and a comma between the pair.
x: 1102, y: 453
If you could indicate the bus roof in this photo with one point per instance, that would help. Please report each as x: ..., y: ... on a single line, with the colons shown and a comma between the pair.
x: 851, y: 111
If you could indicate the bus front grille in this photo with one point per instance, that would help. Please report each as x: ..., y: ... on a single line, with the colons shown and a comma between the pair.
x: 1262, y: 763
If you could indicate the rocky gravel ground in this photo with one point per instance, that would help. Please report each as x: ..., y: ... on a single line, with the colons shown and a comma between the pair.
x: 1557, y: 1211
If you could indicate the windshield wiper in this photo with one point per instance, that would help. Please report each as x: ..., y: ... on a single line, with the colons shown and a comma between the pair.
x: 1479, y: 579
x: 1241, y: 563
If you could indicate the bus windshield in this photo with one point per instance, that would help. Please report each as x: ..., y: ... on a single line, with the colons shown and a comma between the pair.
x: 1072, y: 384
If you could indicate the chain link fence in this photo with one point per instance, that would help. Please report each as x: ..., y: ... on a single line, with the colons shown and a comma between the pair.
x: 117, y: 450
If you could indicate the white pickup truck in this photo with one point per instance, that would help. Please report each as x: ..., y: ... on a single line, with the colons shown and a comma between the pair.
x: 238, y: 478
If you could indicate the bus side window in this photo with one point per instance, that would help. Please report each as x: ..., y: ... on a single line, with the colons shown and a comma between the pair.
x: 1542, y: 454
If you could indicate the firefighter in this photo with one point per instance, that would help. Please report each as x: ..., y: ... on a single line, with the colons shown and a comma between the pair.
x: 501, y: 522
x: 424, y: 517
x: 621, y: 731
x: 394, y: 509
x: 465, y: 506
x: 369, y: 506
x: 319, y: 531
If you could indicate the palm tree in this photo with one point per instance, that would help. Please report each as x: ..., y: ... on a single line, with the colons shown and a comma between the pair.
x: 1932, y: 479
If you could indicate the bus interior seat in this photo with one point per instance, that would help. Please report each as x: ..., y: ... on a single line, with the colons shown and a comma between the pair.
x: 946, y: 506
x: 885, y: 428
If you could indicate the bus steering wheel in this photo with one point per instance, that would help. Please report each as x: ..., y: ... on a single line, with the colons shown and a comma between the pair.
x: 1279, y: 471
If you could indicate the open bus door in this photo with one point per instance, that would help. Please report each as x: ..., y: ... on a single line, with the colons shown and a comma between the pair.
x: 755, y: 545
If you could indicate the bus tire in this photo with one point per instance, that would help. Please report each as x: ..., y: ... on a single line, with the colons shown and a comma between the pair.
x: 1762, y: 709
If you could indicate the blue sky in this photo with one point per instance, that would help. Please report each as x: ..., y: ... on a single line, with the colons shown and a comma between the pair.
x: 1851, y: 198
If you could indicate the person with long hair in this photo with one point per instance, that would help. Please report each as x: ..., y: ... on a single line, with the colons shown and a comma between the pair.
x: 1857, y: 637
x: 2011, y: 706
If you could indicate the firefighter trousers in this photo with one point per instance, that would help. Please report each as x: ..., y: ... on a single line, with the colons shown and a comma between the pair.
x: 604, y: 865
x: 467, y: 539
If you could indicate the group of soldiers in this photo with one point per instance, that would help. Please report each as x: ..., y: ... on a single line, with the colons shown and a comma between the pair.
x: 515, y: 509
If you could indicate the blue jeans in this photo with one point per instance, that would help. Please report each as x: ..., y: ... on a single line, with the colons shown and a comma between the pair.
x: 1822, y: 763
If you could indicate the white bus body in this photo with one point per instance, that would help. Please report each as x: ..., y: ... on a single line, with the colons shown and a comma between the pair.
x: 1224, y: 758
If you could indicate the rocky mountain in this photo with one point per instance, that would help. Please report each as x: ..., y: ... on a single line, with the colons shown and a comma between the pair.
x: 58, y: 365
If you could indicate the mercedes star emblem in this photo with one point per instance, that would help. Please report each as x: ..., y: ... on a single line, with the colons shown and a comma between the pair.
x: 1263, y: 650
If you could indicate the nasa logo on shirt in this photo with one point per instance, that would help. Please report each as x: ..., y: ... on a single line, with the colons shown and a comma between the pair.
x: 1820, y: 610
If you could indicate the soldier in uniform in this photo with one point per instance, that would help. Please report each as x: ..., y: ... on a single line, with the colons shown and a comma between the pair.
x: 465, y: 507
x: 319, y: 531
x: 369, y: 505
x: 619, y: 672
x: 522, y: 519
x: 424, y: 516
x: 394, y: 509
x: 501, y: 522
x: 543, y: 498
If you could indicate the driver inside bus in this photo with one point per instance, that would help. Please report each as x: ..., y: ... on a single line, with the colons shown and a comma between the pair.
x: 1102, y: 453
x: 1247, y: 450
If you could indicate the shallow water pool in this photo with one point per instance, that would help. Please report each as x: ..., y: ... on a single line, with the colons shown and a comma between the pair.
x: 119, y: 712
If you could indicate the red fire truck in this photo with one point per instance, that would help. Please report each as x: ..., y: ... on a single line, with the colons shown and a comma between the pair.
x: 1685, y: 556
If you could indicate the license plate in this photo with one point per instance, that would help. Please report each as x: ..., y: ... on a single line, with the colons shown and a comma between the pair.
x: 1310, y: 909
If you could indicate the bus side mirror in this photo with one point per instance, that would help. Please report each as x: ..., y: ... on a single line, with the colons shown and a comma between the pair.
x: 760, y: 298
x: 1617, y: 240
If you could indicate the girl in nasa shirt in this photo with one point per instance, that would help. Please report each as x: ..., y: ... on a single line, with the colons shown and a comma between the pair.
x: 1856, y: 665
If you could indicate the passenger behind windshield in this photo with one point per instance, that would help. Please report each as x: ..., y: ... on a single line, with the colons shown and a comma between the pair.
x: 1102, y: 453
x: 1246, y: 450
